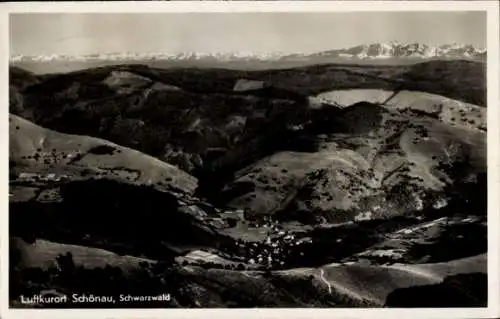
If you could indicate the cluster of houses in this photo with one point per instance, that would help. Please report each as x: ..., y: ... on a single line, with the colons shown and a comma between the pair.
x: 273, y: 251
x: 37, y: 177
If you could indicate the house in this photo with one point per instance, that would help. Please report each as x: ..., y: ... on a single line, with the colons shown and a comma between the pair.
x: 28, y: 176
x: 237, y: 215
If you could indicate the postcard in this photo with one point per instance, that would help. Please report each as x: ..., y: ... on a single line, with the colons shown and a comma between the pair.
x: 243, y: 159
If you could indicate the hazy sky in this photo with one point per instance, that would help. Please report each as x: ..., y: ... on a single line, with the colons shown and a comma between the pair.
x: 72, y: 33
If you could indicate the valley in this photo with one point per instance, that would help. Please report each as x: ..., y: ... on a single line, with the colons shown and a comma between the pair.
x: 327, y: 185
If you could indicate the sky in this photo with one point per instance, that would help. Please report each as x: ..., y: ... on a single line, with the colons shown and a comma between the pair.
x: 89, y: 33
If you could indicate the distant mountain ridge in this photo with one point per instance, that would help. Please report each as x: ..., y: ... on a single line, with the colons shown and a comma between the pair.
x: 395, y: 49
x: 378, y: 51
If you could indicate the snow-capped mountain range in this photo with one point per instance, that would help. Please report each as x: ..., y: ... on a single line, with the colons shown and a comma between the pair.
x: 406, y: 50
x: 126, y: 56
x: 379, y: 51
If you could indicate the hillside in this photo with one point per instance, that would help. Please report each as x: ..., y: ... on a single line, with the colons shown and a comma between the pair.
x: 432, y: 76
x: 319, y: 186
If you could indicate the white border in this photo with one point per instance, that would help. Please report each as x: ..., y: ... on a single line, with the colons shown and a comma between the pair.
x: 492, y: 9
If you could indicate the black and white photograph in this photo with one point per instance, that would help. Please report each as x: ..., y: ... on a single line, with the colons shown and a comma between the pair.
x: 248, y: 160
